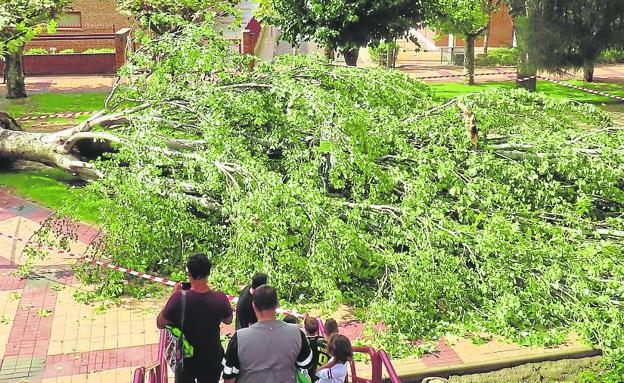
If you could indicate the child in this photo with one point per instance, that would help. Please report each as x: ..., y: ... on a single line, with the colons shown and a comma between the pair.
x: 311, y: 327
x: 336, y: 370
x: 331, y: 328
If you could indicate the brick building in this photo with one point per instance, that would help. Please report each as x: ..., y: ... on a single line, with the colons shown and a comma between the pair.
x: 86, y: 24
x: 501, y: 34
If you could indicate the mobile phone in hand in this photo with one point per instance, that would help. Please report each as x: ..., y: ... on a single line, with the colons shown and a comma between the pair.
x: 186, y: 285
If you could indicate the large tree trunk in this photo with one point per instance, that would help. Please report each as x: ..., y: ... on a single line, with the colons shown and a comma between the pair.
x: 588, y: 72
x: 486, y: 38
x: 14, y: 72
x: 469, y: 60
x: 328, y: 52
x: 44, y: 148
x: 351, y: 56
x: 526, y: 77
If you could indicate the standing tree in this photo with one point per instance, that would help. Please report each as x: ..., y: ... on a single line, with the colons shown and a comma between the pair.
x: 522, y: 12
x: 161, y: 16
x: 467, y: 18
x: 20, y: 21
x: 340, y: 24
x: 574, y: 33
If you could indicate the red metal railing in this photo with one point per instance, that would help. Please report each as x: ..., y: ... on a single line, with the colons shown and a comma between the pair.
x: 387, y: 364
x: 157, y: 372
x: 375, y: 366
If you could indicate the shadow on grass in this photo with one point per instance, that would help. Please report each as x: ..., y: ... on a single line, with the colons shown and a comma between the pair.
x: 52, y: 188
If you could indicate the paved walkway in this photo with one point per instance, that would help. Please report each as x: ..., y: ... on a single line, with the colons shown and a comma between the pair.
x: 61, y: 84
x: 47, y: 336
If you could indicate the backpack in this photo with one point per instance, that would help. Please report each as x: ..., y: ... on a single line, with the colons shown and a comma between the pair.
x: 175, y: 342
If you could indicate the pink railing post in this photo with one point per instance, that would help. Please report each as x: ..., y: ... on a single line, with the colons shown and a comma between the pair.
x: 139, y: 375
x: 385, y: 361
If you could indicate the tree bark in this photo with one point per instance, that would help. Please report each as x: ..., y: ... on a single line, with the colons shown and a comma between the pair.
x: 526, y: 77
x: 469, y: 60
x: 14, y: 71
x: 486, y: 38
x: 44, y: 148
x: 351, y: 56
x: 588, y: 72
x: 328, y: 52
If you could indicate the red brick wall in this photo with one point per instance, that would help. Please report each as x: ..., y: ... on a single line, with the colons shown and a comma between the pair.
x: 68, y: 64
x: 98, y: 17
x: 501, y: 31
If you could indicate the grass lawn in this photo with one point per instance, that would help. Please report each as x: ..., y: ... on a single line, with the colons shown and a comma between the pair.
x: 51, y: 188
x: 448, y: 90
x: 48, y: 103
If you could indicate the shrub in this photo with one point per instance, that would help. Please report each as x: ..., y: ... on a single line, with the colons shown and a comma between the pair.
x: 379, y: 52
x: 611, y: 56
x: 498, y: 57
x: 98, y: 50
x: 37, y: 51
x: 67, y: 51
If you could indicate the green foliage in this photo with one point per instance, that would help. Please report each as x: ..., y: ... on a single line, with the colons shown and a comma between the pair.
x: 37, y: 51
x: 572, y: 34
x: 67, y: 51
x: 162, y: 16
x: 384, y: 53
x: 21, y: 20
x: 611, y: 56
x: 98, y: 50
x: 498, y: 57
x: 360, y: 187
x: 346, y: 25
x: 460, y: 17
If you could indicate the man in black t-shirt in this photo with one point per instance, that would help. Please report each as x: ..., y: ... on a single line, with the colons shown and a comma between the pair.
x: 245, y: 315
x: 205, y: 310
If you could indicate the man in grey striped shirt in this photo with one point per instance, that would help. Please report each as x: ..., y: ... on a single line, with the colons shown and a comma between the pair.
x: 269, y: 350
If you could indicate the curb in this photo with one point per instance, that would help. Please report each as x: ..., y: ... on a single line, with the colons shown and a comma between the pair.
x: 495, y: 365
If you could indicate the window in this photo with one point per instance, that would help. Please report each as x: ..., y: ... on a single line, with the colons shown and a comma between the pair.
x: 70, y: 20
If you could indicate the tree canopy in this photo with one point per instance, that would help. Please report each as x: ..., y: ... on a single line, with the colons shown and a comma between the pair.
x: 20, y: 21
x: 162, y: 16
x: 339, y: 24
x: 572, y: 34
x: 498, y: 210
x: 466, y: 18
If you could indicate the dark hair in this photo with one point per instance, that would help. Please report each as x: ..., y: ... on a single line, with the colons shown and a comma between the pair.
x: 198, y: 266
x: 291, y: 319
x: 311, y: 325
x: 331, y: 327
x: 340, y: 348
x: 265, y: 298
x: 258, y: 280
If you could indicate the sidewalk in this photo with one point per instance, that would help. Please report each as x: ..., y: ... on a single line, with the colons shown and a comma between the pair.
x: 61, y: 84
x: 47, y: 336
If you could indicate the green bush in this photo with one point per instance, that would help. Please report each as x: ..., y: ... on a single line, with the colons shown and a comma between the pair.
x: 611, y: 56
x: 98, y: 50
x: 37, y: 51
x: 379, y: 53
x: 67, y: 51
x: 498, y: 57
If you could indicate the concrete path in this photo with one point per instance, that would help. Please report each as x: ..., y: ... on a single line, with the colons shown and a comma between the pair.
x: 47, y: 336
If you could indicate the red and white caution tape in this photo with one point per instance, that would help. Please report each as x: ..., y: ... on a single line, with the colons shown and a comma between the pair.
x: 462, y: 75
x: 125, y: 270
x: 55, y: 115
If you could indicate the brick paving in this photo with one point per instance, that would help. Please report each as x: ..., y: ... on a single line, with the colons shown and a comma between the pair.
x: 47, y: 336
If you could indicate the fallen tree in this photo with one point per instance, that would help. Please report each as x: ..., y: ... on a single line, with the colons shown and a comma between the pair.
x: 499, y: 210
